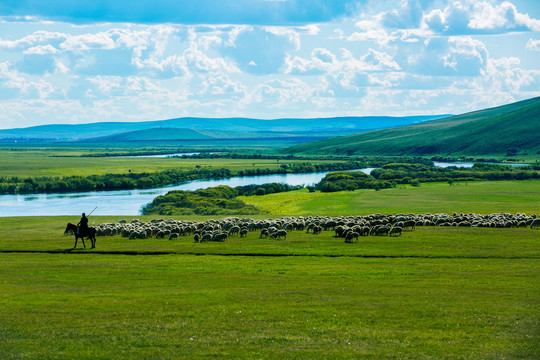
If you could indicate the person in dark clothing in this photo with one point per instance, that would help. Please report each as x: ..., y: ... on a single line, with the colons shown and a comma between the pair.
x: 82, y: 226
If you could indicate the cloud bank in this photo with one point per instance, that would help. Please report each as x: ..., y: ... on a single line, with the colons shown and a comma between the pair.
x: 302, y: 59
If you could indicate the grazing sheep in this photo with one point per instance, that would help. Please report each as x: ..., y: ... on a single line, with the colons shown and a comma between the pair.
x: 206, y: 237
x: 173, y: 236
x: 279, y: 234
x: 374, y: 229
x: 288, y: 227
x: 234, y: 231
x: 350, y: 236
x: 395, y: 231
x: 364, y: 231
x: 344, y: 226
x: 340, y: 230
x: 409, y: 224
x: 382, y: 230
x: 220, y: 237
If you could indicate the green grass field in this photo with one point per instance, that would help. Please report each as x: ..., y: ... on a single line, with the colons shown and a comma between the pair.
x: 476, y: 197
x: 67, y: 162
x: 435, y: 293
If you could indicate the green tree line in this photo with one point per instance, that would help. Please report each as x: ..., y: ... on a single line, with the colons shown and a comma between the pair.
x: 390, y: 175
x: 66, y: 184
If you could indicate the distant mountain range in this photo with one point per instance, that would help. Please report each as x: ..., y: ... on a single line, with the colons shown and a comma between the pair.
x: 501, y: 130
x: 211, y: 128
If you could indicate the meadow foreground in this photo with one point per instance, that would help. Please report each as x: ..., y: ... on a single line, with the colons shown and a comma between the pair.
x: 431, y: 293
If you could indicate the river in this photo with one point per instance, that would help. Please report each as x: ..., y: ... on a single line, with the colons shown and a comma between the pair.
x: 164, y: 155
x: 470, y: 164
x: 129, y: 202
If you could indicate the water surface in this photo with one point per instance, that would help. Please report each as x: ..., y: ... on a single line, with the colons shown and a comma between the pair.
x: 466, y: 164
x: 129, y: 202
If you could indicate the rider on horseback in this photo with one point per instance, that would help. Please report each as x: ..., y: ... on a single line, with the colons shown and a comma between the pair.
x: 82, y: 226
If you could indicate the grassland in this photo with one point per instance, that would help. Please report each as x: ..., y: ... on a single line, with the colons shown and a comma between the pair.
x: 435, y: 293
x: 65, y: 162
x: 478, y: 197
x: 444, y: 293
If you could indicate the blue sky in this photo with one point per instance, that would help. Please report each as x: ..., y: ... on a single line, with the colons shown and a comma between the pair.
x: 126, y: 60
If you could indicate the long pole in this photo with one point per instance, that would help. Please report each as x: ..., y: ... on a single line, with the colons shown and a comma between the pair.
x: 92, y: 211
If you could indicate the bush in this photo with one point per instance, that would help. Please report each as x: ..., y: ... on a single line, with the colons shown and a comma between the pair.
x: 218, y: 200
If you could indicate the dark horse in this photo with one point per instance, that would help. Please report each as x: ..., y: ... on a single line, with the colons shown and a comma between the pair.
x: 90, y: 233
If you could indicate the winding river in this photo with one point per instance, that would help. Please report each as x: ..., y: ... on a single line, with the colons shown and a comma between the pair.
x: 129, y: 202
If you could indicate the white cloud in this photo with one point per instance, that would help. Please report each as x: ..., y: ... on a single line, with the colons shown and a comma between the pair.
x: 409, y: 15
x: 479, y: 17
x: 14, y: 84
x: 282, y: 93
x: 198, y: 61
x: 41, y: 50
x: 218, y: 85
x: 377, y: 61
x: 324, y: 61
x: 34, y: 39
x: 441, y: 56
x: 533, y: 45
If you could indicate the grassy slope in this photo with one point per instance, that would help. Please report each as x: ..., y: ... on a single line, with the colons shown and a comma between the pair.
x: 485, y: 132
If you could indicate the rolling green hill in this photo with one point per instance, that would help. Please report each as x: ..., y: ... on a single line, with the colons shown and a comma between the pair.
x: 340, y: 125
x: 500, y: 130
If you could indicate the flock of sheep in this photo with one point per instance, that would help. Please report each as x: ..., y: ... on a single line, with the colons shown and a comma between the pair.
x: 348, y: 227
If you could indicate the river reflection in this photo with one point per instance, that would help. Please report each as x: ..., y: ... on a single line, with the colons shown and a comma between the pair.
x: 129, y: 202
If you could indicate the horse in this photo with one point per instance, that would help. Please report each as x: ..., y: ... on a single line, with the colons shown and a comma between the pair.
x: 90, y: 233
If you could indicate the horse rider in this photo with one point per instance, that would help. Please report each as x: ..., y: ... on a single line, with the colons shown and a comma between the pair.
x: 82, y: 226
